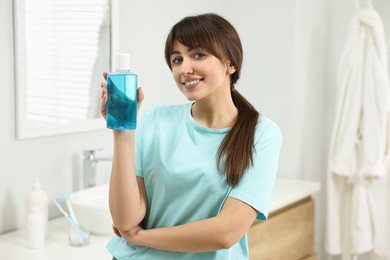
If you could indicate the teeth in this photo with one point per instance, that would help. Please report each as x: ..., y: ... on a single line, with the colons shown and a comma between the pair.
x: 192, y: 82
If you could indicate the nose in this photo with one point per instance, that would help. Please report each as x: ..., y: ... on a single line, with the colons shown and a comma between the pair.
x: 186, y: 67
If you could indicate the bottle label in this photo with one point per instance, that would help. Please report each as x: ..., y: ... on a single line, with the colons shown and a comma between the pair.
x: 122, y: 101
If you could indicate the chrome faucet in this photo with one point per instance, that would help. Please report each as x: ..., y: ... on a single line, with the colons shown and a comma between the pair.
x: 89, y: 165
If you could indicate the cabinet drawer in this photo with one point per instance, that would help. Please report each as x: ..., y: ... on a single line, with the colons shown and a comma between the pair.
x: 287, y: 234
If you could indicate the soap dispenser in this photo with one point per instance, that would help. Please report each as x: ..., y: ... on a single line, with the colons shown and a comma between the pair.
x: 35, y: 226
x: 36, y: 207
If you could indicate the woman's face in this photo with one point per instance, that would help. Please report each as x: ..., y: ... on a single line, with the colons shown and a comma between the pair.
x: 199, y: 74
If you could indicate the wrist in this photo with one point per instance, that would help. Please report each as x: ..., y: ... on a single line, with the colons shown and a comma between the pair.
x: 123, y: 134
x: 138, y: 237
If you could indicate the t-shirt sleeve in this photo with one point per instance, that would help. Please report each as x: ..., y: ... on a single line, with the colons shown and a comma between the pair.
x: 256, y: 185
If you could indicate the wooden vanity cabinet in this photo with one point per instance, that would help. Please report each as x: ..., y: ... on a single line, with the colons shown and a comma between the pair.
x: 288, y: 234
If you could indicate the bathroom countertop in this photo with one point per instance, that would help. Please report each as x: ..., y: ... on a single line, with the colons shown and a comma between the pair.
x: 288, y: 191
x: 13, y: 245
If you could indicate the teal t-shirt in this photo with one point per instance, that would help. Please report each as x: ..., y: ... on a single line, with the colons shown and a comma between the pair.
x: 176, y: 157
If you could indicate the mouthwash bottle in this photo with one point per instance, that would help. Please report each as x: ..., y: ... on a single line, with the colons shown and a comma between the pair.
x: 122, y: 95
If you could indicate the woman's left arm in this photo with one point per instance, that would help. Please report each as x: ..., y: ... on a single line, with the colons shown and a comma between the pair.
x: 219, y: 232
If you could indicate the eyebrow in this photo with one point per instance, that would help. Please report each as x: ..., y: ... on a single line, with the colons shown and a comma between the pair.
x: 175, y: 52
x: 189, y: 49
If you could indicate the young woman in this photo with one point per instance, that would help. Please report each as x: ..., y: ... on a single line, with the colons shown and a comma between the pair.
x: 198, y: 174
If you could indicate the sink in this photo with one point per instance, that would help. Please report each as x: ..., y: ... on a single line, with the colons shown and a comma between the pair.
x: 91, y: 209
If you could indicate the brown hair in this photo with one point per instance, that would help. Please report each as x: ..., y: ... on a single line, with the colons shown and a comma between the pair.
x: 217, y: 36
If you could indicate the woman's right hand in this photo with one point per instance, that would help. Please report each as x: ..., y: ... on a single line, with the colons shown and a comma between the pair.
x: 104, y: 97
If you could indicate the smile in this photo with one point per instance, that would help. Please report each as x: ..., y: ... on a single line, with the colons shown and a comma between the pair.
x: 192, y: 82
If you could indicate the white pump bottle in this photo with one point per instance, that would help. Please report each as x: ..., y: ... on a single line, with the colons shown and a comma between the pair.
x: 36, y: 215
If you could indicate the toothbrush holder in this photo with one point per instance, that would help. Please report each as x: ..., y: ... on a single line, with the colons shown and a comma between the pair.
x: 74, y: 236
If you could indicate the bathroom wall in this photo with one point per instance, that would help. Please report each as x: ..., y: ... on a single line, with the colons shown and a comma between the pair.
x: 283, y: 76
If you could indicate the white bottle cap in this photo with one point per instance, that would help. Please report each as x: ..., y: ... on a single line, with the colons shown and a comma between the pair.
x: 122, y: 61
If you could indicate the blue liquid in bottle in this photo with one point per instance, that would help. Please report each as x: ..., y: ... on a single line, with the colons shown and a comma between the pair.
x: 122, y: 100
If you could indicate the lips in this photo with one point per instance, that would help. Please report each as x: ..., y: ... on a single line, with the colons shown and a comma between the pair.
x: 192, y: 83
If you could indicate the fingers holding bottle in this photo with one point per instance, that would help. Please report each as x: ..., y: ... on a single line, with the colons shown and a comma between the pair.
x: 104, y: 97
x: 140, y: 96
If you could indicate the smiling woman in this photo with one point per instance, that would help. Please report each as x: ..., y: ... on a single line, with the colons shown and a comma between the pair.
x: 61, y: 47
x: 169, y: 203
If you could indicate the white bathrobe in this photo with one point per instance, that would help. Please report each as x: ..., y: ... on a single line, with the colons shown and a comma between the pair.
x: 356, y: 197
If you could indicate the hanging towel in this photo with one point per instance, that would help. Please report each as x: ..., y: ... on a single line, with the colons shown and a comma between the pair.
x: 358, y: 143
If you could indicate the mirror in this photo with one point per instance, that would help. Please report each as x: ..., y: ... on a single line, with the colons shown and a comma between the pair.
x: 61, y: 49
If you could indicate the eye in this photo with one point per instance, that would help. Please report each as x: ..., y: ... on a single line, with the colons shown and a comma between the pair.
x: 176, y: 60
x: 199, y: 55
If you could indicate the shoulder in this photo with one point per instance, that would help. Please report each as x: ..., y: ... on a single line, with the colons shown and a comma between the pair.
x: 161, y: 122
x: 267, y: 129
x: 164, y: 117
x: 166, y: 111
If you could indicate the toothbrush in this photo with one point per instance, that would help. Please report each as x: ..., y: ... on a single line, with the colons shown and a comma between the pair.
x: 69, y: 205
x: 76, y: 226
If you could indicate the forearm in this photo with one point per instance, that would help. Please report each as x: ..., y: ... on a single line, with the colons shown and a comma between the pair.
x: 200, y: 236
x: 219, y: 232
x: 126, y: 204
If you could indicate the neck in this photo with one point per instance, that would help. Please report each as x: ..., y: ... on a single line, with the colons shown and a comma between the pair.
x: 215, y: 113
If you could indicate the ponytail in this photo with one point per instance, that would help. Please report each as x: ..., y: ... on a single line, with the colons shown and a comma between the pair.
x: 237, y: 147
